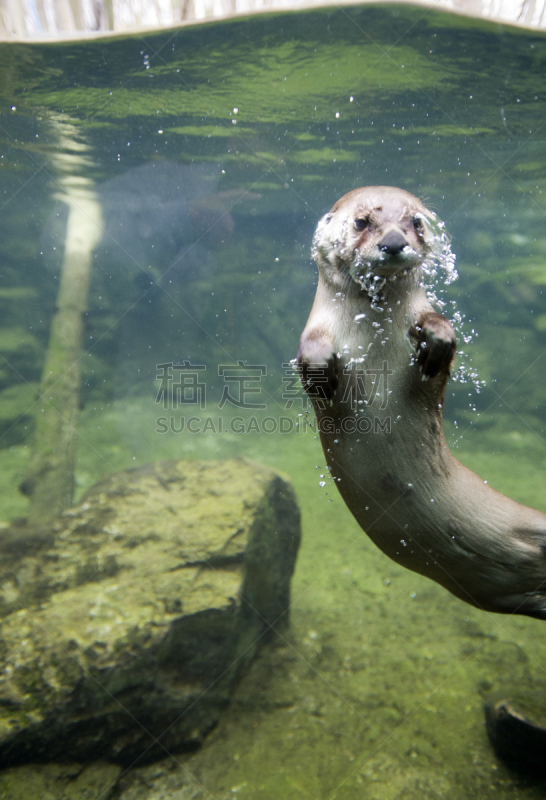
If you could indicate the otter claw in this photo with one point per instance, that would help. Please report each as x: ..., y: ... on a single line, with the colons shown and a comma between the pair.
x: 436, y: 344
x: 319, y: 380
x: 435, y: 355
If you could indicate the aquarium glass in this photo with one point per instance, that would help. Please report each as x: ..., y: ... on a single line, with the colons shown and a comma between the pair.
x: 193, y: 164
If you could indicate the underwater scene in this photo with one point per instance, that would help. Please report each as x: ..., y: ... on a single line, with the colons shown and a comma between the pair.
x: 189, y: 609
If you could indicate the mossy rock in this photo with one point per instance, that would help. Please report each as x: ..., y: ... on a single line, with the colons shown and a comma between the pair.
x: 126, y: 625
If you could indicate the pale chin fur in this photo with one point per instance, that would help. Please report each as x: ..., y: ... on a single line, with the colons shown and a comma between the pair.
x: 382, y: 265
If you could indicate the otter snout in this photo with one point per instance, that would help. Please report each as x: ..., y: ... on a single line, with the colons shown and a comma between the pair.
x: 393, y: 243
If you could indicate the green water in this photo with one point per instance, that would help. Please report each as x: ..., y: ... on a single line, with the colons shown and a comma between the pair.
x: 377, y: 690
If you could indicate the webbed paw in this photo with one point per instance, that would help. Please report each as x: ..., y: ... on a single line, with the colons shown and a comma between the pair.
x: 436, y: 344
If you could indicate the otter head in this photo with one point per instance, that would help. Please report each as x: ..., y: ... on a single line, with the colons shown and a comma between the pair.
x: 373, y: 234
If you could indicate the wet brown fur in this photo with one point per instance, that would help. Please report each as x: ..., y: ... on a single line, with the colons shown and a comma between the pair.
x: 384, y: 366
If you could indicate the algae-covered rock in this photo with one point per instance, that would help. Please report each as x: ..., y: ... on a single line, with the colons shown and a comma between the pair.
x: 126, y: 624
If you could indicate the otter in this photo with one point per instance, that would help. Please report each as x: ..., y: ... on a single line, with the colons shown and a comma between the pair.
x: 375, y: 357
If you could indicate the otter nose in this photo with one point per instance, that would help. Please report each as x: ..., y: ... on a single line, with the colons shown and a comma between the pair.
x: 392, y: 243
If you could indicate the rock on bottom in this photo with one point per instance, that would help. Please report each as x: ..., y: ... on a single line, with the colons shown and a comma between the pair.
x: 126, y: 625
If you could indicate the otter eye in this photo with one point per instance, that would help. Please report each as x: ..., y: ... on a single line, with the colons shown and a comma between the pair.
x: 418, y: 224
x: 360, y: 224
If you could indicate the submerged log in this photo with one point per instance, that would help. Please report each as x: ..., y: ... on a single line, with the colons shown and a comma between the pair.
x: 50, y: 478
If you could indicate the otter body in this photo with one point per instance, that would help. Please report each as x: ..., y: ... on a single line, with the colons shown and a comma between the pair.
x: 375, y: 358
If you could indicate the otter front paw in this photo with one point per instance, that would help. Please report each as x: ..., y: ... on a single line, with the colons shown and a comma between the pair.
x: 318, y: 368
x: 436, y: 344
